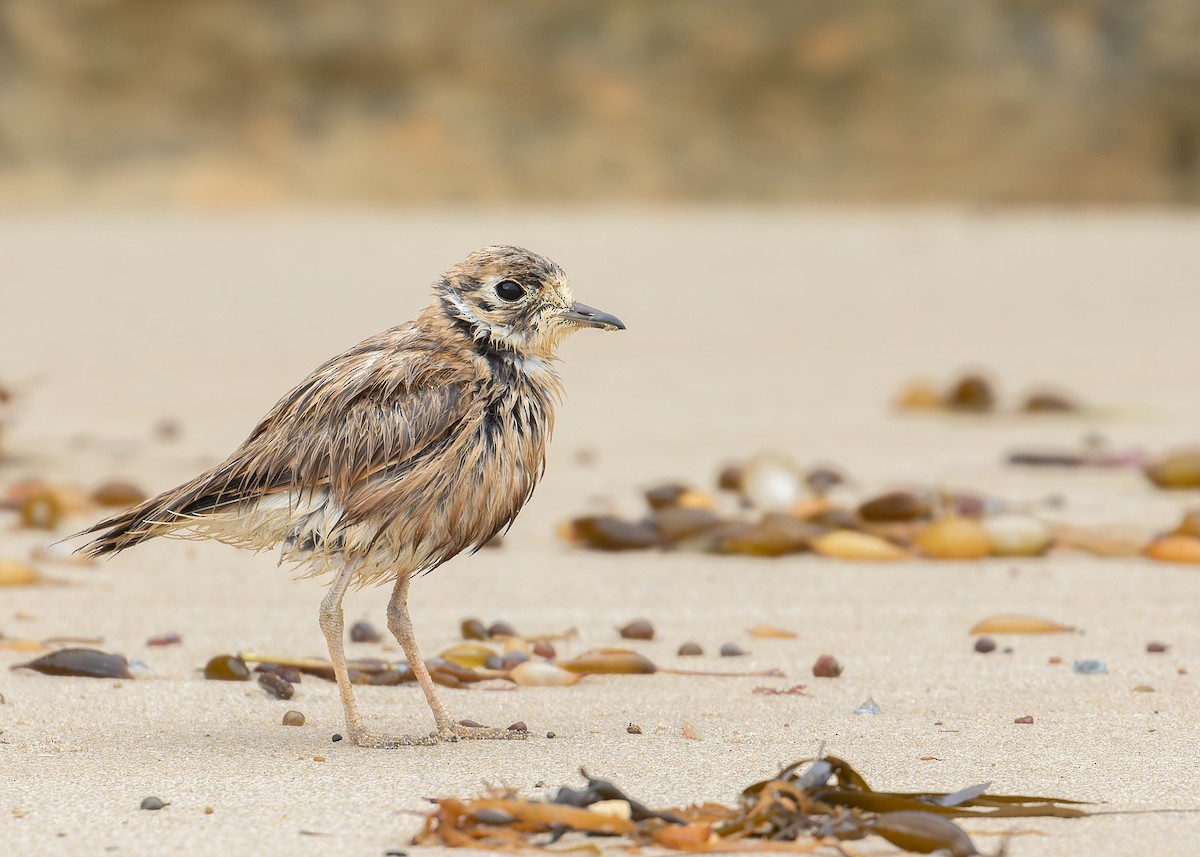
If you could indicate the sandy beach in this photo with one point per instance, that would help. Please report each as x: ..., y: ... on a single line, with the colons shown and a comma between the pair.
x: 748, y: 331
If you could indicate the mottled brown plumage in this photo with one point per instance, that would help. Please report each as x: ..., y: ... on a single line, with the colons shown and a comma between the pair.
x: 415, y: 445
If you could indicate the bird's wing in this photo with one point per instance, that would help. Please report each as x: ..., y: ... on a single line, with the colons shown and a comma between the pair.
x: 371, y: 409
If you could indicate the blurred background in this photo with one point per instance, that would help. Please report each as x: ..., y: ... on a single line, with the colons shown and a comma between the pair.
x: 276, y: 102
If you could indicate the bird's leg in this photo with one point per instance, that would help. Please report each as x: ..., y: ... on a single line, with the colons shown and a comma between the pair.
x: 400, y: 624
x: 333, y: 625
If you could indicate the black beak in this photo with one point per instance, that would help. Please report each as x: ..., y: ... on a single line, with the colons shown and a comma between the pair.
x: 590, y: 317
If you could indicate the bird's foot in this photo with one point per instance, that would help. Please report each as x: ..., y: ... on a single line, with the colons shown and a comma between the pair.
x: 468, y: 730
x: 363, y: 738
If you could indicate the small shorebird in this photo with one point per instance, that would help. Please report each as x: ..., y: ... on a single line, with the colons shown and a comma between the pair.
x: 390, y: 459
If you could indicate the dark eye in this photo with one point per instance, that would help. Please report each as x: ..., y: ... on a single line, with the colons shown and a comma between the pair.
x: 509, y: 290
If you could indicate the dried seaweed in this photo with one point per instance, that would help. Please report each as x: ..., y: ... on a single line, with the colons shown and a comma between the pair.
x: 809, y: 804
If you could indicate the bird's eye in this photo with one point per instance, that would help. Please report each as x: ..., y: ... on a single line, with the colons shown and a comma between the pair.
x: 509, y: 290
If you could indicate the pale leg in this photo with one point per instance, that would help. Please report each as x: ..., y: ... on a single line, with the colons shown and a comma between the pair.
x: 333, y: 626
x: 400, y: 624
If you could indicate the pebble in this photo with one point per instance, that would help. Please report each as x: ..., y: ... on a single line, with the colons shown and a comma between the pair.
x: 118, y: 493
x: 364, y: 632
x: 638, y: 629
x: 153, y: 802
x: 850, y: 545
x: 971, y: 394
x: 869, y: 706
x: 226, y: 668
x: 501, y: 629
x: 731, y: 650
x: 1089, y: 667
x: 771, y: 482
x: 953, y: 537
x: 1027, y: 719
x: 1017, y: 535
x: 1175, y: 548
x: 85, y: 663
x: 170, y: 638
x: 276, y: 685
x: 633, y: 729
x: 1048, y: 403
x: 1175, y: 471
x: 335, y: 737
x: 892, y: 507
x: 610, y: 533
x: 473, y: 629
x: 13, y: 573
x: 1157, y: 648
x: 545, y: 649
x: 826, y: 666
x: 542, y: 674
x: 550, y: 735
x: 513, y: 660
x: 519, y: 726
x: 293, y: 718
x: 690, y: 649
x: 919, y: 396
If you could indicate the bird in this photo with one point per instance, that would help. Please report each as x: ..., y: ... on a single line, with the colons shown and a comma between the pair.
x: 414, y: 446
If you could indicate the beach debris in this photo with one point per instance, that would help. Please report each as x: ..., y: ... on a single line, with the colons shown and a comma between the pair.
x: 1027, y: 719
x: 794, y: 690
x: 920, y: 395
x: 1089, y: 667
x: 1017, y: 623
x: 41, y: 511
x: 771, y: 631
x: 16, y: 573
x: 826, y: 666
x: 364, y: 632
x: 771, y: 482
x: 638, y: 629
x: 544, y: 649
x: 286, y: 673
x: 519, y: 726
x: 609, y: 661
x: 276, y: 685
x: 1143, y: 688
x: 731, y: 650
x: 869, y: 706
x: 291, y: 717
x: 169, y: 638
x: 153, y: 803
x: 226, y: 668
x: 953, y: 537
x: 335, y: 737
x: 117, y: 493
x: 689, y: 650
x: 79, y: 662
x: 823, y: 479
x: 1174, y: 548
x: 1175, y: 471
x: 1048, y: 402
x: 985, y: 645
x: 468, y: 654
x: 633, y: 729
x: 972, y: 393
x: 1157, y: 648
x: 807, y: 804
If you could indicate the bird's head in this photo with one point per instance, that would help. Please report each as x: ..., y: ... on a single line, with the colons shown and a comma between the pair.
x: 516, y: 300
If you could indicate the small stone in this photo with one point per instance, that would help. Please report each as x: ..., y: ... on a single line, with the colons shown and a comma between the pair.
x: 870, y: 706
x: 1143, y: 688
x: 971, y: 394
x: 1157, y: 648
x: 826, y: 666
x: 984, y: 645
x: 919, y: 396
x: 364, y: 632
x: 638, y: 629
x: 470, y: 724
x: 293, y: 718
x: 318, y: 758
x: 822, y: 480
x: 153, y: 802
x: 1175, y: 548
x: 226, y: 668
x: 893, y: 507
x: 208, y: 810
x: 1027, y: 719
x: 730, y: 478
x: 276, y: 685
x: 519, y: 726
x: 550, y: 735
x: 335, y: 737
x: 1048, y: 403
x: 501, y: 629
x: 690, y: 649
x: 473, y: 629
x: 771, y: 482
x: 633, y: 729
x: 1089, y: 667
x: 1012, y: 534
x: 954, y: 537
x: 1054, y: 660
x: 513, y: 660
x: 170, y: 638
x: 731, y: 650
x: 1179, y: 470
x: 545, y: 649
x: 118, y: 493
